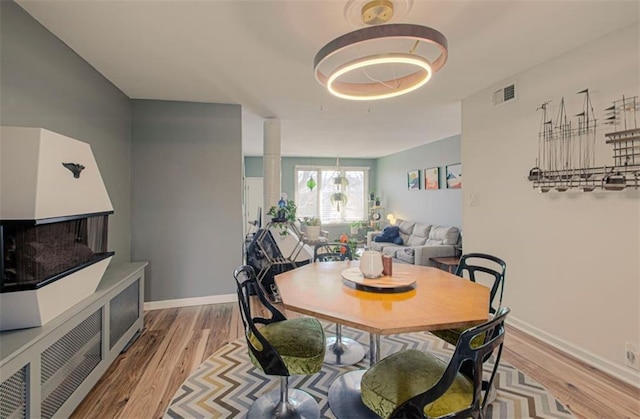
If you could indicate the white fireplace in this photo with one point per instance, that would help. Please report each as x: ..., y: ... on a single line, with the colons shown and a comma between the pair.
x: 54, y: 212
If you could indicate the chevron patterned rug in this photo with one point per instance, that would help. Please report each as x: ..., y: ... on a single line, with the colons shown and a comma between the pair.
x: 226, y: 384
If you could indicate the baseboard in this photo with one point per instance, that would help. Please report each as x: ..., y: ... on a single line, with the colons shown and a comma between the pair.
x: 595, y: 361
x: 186, y: 302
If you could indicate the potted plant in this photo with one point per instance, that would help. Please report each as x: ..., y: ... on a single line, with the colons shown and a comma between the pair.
x: 355, y: 227
x: 339, y: 198
x: 340, y: 180
x: 313, y: 227
x: 377, y: 201
x: 372, y: 195
x: 282, y: 214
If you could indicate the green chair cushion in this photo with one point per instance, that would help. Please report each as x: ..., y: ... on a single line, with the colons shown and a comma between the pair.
x: 451, y: 336
x: 403, y: 375
x: 300, y: 343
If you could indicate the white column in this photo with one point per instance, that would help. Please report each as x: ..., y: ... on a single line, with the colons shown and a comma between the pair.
x: 271, y: 165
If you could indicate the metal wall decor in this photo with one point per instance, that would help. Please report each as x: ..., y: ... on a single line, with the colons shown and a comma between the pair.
x: 566, y: 153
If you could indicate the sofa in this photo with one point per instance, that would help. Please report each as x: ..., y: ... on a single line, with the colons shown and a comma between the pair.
x: 420, y: 242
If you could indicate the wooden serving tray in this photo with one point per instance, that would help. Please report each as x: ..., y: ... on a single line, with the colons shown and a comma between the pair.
x: 398, y: 282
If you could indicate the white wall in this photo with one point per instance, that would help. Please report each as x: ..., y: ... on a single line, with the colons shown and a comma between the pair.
x: 573, y: 275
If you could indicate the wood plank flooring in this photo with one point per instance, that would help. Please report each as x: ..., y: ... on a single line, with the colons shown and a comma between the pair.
x: 142, y: 381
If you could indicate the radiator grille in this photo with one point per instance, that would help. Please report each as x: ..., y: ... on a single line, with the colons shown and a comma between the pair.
x: 123, y: 312
x: 67, y: 362
x: 13, y: 395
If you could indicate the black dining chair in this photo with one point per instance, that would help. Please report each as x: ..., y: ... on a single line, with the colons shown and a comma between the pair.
x: 416, y: 384
x: 331, y: 252
x: 487, y: 269
x: 340, y: 350
x: 281, y: 347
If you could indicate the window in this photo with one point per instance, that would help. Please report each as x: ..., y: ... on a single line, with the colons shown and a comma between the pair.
x: 317, y: 202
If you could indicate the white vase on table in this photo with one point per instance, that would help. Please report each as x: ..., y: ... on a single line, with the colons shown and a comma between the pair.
x: 371, y: 264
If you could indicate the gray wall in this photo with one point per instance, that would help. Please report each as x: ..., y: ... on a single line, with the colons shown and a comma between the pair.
x: 43, y: 83
x: 442, y: 207
x: 187, y: 197
x: 253, y: 166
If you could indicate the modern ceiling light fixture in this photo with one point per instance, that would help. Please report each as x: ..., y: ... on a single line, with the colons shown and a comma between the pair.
x: 380, y: 61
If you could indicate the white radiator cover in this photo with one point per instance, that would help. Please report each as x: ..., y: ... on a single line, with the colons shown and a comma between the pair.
x: 34, y: 183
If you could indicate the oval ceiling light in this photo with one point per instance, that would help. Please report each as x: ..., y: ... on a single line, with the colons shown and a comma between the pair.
x: 379, y: 89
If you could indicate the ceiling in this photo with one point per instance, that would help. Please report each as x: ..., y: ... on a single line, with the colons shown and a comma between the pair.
x: 259, y: 54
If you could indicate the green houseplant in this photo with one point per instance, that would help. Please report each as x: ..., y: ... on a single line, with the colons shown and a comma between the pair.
x: 339, y: 198
x: 311, y: 221
x: 313, y: 227
x: 282, y: 215
x: 355, y: 227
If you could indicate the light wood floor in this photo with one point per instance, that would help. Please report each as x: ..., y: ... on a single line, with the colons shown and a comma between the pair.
x: 142, y: 381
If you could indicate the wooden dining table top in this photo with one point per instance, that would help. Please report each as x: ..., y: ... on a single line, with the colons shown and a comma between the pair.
x: 440, y: 300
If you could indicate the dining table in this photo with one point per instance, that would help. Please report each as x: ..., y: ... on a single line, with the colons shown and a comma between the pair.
x: 425, y: 299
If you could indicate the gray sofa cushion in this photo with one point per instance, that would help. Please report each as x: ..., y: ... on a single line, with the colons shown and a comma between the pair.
x: 392, y: 249
x: 406, y: 228
x: 406, y: 255
x: 419, y: 235
x: 378, y: 246
x: 443, y: 235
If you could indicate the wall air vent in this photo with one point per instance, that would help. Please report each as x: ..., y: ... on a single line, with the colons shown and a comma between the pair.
x: 504, y: 94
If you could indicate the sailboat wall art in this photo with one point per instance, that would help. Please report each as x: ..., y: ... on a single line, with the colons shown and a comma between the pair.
x: 566, y: 149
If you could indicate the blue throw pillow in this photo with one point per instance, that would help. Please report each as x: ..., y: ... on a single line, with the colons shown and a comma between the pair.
x: 391, y: 232
x: 380, y: 238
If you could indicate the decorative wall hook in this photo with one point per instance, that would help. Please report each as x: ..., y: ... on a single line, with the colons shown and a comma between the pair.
x: 75, y: 168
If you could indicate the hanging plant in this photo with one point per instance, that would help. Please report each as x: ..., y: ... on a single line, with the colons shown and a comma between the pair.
x: 338, y: 198
x: 341, y: 180
x: 311, y: 183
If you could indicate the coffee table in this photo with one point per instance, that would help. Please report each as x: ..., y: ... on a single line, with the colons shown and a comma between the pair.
x: 439, y: 301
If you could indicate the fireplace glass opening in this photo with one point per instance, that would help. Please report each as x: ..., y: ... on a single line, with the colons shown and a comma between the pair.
x: 36, y: 255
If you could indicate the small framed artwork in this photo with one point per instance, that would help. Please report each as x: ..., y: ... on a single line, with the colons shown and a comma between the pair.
x: 454, y: 176
x: 432, y: 178
x: 413, y: 180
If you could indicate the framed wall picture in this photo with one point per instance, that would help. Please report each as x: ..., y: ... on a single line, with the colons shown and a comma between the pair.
x: 432, y: 178
x: 413, y: 180
x: 454, y: 176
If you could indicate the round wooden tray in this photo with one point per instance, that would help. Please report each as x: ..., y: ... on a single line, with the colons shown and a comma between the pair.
x: 395, y: 283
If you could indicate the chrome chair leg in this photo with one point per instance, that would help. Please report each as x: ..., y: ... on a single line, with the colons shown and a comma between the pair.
x: 285, y: 403
x: 342, y: 350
